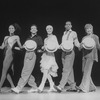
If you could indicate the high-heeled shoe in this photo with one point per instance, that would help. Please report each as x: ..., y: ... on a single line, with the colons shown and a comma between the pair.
x: 32, y: 90
x: 58, y: 88
x: 52, y: 90
x: 78, y: 89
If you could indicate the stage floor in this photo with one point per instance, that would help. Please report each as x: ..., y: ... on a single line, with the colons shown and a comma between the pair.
x: 49, y: 96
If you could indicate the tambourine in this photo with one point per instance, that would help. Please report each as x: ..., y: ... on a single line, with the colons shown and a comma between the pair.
x: 88, y: 43
x: 67, y: 46
x: 30, y: 45
x: 51, y: 46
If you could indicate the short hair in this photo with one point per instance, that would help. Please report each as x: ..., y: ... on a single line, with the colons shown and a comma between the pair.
x: 49, y: 26
x: 88, y: 26
x: 34, y: 25
x: 68, y: 22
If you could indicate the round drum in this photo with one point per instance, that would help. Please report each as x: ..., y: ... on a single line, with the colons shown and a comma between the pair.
x: 30, y: 45
x: 67, y: 46
x: 51, y: 46
x: 88, y: 43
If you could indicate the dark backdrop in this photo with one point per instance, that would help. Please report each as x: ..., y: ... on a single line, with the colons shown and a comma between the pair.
x: 56, y: 13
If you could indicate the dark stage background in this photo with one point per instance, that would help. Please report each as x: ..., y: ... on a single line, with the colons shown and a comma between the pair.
x: 56, y: 13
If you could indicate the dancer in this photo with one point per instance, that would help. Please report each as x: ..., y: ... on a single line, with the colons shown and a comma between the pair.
x: 33, y: 43
x: 48, y: 63
x: 89, y: 45
x: 7, y: 45
x: 69, y: 40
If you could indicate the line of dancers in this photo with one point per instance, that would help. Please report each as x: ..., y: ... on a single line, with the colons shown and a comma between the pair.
x: 48, y: 65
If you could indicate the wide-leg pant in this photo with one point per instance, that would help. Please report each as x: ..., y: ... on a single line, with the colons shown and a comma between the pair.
x: 87, y: 83
x: 29, y: 63
x: 68, y: 74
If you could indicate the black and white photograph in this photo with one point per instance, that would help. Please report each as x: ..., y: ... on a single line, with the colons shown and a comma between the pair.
x: 49, y: 50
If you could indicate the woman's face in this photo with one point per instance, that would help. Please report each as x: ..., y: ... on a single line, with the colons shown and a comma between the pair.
x: 33, y: 29
x: 89, y: 30
x: 11, y: 29
x: 49, y: 30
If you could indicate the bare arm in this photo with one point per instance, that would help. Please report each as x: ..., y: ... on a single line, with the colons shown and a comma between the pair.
x: 76, y: 42
x: 97, y: 43
x: 19, y: 43
x: 56, y: 41
x: 3, y: 43
x: 2, y: 46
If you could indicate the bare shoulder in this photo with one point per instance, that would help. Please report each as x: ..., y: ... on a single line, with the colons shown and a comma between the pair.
x: 16, y: 37
x: 54, y: 36
x: 6, y: 37
x: 95, y: 36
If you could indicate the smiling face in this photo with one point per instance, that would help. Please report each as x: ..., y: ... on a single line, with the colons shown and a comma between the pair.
x: 49, y: 29
x: 89, y: 29
x: 68, y: 25
x: 33, y: 29
x: 11, y: 29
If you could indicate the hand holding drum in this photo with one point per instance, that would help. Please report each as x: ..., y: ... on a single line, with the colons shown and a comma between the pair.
x: 88, y: 43
x: 30, y: 45
x: 67, y: 46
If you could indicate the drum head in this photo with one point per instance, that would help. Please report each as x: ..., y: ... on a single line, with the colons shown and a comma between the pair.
x: 30, y: 45
x: 67, y: 46
x: 51, y: 46
x: 88, y: 43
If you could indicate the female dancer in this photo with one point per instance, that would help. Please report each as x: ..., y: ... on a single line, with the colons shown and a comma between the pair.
x: 90, y: 55
x: 48, y: 63
x: 8, y: 44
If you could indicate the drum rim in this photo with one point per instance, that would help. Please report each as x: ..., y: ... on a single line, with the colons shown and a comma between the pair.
x: 51, y: 50
x: 86, y: 47
x: 68, y: 50
x: 30, y: 49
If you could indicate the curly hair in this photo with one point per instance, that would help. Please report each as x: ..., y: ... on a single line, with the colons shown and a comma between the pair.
x: 17, y: 28
x: 88, y: 26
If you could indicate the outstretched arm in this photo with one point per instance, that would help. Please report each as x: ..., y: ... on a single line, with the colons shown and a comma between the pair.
x: 2, y: 46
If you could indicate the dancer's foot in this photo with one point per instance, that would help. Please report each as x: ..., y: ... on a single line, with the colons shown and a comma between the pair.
x: 72, y: 89
x: 32, y: 90
x: 58, y: 88
x: 93, y: 90
x: 52, y: 90
x: 78, y: 89
x: 16, y: 90
x: 39, y: 91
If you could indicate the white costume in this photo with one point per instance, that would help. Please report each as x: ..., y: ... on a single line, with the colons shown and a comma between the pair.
x: 48, y: 63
